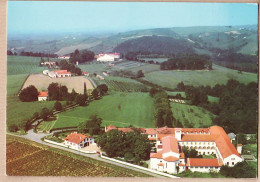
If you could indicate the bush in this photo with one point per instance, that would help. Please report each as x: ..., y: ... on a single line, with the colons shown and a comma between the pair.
x: 57, y: 106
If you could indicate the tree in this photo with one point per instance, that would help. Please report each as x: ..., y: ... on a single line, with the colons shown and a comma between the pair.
x: 13, y: 128
x: 36, y: 115
x: 82, y: 127
x: 81, y: 99
x: 153, y: 91
x: 102, y: 89
x: 45, y: 112
x: 53, y: 91
x: 95, y: 93
x: 85, y: 88
x: 57, y: 106
x: 140, y: 74
x: 29, y: 94
x: 94, y: 124
x: 181, y: 86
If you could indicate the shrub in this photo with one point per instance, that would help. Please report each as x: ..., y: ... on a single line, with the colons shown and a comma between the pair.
x: 57, y: 106
x: 29, y: 94
x: 13, y: 128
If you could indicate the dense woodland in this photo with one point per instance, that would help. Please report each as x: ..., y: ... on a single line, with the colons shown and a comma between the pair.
x: 237, y: 106
x: 187, y: 62
x: 38, y: 54
x: 81, y: 56
x: 64, y: 65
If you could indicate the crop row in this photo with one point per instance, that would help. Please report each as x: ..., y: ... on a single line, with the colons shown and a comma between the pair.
x: 125, y: 86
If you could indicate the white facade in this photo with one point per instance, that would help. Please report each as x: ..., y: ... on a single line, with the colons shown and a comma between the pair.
x: 106, y: 58
x: 85, y: 142
x: 42, y: 98
x: 232, y: 160
x: 204, y: 169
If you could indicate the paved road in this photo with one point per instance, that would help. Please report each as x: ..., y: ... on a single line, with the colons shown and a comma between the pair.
x: 37, y: 138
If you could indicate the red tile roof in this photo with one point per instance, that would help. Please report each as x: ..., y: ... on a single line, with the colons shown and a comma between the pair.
x: 76, y: 137
x: 152, y: 138
x: 43, y: 94
x: 171, y: 159
x: 194, y: 130
x: 150, y: 131
x: 182, y: 156
x: 201, y: 137
x: 125, y: 129
x: 110, y: 127
x: 201, y: 162
x: 170, y: 144
x: 157, y: 155
x: 160, y: 164
x: 181, y: 164
x: 223, y: 142
x: 62, y: 72
x: 165, y: 130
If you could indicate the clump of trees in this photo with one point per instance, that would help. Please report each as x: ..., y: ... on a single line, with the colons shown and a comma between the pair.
x: 190, y: 62
x: 81, y: 56
x: 29, y: 94
x: 163, y: 113
x: 99, y: 91
x: 57, y: 106
x: 64, y: 65
x: 240, y: 170
x: 133, y: 146
x: 92, y: 125
x: 190, y: 153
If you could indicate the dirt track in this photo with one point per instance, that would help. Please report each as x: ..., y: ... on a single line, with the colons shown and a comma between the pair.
x: 41, y: 82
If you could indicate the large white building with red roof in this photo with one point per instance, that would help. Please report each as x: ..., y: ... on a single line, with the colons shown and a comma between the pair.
x: 107, y: 57
x: 77, y: 140
x: 169, y: 142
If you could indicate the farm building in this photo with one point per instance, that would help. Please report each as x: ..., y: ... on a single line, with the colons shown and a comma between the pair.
x: 43, y: 96
x: 64, y: 57
x: 106, y: 57
x: 48, y: 63
x: 62, y: 73
x: 76, y: 140
x: 169, y: 143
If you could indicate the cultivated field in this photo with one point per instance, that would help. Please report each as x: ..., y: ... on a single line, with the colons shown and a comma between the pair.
x: 119, y: 109
x: 23, y: 65
x: 95, y: 67
x: 192, y: 115
x: 219, y: 75
x: 41, y: 82
x: 26, y: 158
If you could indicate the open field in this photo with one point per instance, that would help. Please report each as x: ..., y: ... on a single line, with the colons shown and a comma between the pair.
x: 23, y: 65
x: 191, y: 115
x: 219, y: 75
x: 41, y: 82
x: 119, y: 109
x: 94, y: 67
x: 26, y: 158
x: 159, y: 60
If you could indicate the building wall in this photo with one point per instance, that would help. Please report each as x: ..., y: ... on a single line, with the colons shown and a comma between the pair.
x: 232, y: 160
x: 42, y: 98
x: 204, y: 169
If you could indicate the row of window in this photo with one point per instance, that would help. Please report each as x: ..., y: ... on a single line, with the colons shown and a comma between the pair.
x: 198, y: 143
x: 196, y: 167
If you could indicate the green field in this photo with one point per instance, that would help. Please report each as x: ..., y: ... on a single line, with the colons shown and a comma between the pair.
x: 146, y: 68
x: 136, y: 109
x: 46, y: 125
x: 27, y: 158
x: 23, y: 64
x: 94, y: 67
x: 219, y: 75
x: 191, y: 115
x: 250, y: 148
x: 213, y: 99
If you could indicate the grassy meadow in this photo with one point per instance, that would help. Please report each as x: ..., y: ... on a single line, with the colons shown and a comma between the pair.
x: 220, y: 75
x: 191, y: 115
x: 119, y: 109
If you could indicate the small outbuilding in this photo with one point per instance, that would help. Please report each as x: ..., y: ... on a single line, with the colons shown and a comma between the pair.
x: 43, y: 96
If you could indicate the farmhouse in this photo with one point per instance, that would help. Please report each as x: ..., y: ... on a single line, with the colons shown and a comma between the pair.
x: 77, y: 140
x: 57, y: 73
x: 85, y: 73
x: 43, y: 96
x: 48, y: 63
x: 106, y: 57
x: 169, y: 142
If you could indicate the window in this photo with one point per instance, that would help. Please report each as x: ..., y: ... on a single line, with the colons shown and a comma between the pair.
x: 232, y: 163
x: 166, y: 165
x: 227, y: 163
x: 232, y: 159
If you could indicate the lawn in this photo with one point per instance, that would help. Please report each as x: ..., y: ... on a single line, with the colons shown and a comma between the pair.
x: 192, y: 115
x: 93, y: 67
x: 119, y: 109
x: 27, y: 158
x: 220, y: 75
x: 250, y: 148
x: 47, y: 124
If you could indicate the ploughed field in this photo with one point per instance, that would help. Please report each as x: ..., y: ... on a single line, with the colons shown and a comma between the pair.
x: 26, y: 158
x: 220, y: 75
x: 119, y: 109
x: 41, y: 82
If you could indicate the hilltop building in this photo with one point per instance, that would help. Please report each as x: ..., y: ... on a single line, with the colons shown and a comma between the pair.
x: 169, y: 142
x: 57, y: 73
x: 107, y: 57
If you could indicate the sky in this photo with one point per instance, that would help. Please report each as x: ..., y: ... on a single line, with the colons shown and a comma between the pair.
x: 57, y: 17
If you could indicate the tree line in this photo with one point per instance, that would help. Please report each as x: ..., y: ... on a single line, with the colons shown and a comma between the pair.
x: 191, y: 62
x: 38, y: 54
x: 65, y: 65
x: 163, y: 114
x: 81, y: 56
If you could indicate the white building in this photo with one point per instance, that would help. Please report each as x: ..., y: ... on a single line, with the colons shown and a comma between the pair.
x: 107, y: 57
x: 64, y: 57
x: 43, y: 96
x: 169, y: 156
x: 77, y: 140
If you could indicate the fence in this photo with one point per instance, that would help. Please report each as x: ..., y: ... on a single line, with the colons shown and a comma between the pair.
x: 139, y: 167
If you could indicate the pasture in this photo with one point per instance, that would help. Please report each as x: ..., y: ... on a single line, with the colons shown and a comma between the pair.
x: 93, y: 67
x: 219, y: 75
x: 192, y: 116
x: 41, y: 82
x: 27, y: 158
x: 119, y: 109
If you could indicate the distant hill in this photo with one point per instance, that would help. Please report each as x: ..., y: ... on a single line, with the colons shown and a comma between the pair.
x: 155, y: 44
